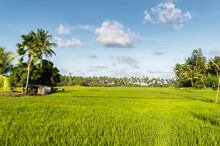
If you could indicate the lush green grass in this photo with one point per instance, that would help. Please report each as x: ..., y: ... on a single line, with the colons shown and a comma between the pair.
x: 112, y: 116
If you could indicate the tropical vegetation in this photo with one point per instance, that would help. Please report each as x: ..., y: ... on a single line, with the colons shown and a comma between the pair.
x: 197, y: 71
x: 45, y: 75
x: 6, y: 59
x: 44, y: 45
x: 34, y: 45
x: 105, y: 81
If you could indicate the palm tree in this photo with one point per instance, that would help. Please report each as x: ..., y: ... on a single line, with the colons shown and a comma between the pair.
x: 44, y: 44
x: 28, y: 46
x: 5, y: 61
x: 216, y: 62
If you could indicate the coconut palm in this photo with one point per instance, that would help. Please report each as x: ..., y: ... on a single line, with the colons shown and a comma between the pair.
x: 28, y: 46
x: 44, y: 45
x: 216, y: 62
x: 6, y: 59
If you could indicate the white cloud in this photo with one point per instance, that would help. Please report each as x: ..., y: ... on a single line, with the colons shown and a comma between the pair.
x: 147, y: 17
x: 87, y: 27
x: 92, y: 56
x: 159, y: 52
x: 112, y: 34
x: 97, y: 68
x: 125, y: 73
x: 177, y: 27
x: 214, y: 52
x: 161, y: 74
x: 69, y: 43
x: 63, y: 30
x: 129, y: 61
x: 79, y: 73
x: 64, y: 71
x: 166, y: 13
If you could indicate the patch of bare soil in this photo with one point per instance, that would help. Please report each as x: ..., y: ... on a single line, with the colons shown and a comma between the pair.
x: 17, y: 94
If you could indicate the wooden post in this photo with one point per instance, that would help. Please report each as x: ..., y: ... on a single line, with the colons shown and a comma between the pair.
x: 217, y: 92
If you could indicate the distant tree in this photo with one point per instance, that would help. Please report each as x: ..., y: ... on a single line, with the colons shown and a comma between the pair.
x: 6, y: 59
x: 70, y: 79
x: 193, y: 71
x: 216, y: 64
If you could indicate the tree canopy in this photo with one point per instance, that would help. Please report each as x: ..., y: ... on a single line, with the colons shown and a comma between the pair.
x: 6, y: 59
x: 35, y: 46
x: 47, y: 75
x: 197, y: 72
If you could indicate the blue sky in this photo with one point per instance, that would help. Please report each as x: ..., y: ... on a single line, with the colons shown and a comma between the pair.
x: 116, y: 37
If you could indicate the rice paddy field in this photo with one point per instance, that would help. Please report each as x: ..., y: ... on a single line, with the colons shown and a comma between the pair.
x: 112, y: 116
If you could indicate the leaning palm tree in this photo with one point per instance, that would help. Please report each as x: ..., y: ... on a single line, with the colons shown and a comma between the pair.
x: 216, y: 63
x: 6, y: 59
x: 28, y: 46
x: 44, y: 44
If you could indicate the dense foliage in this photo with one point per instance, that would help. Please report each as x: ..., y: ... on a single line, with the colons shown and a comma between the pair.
x: 113, y: 81
x: 6, y: 59
x: 34, y: 46
x: 47, y: 75
x: 197, y: 71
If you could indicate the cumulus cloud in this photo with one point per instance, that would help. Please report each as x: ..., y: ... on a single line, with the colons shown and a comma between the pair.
x: 161, y: 74
x: 155, y: 72
x: 125, y: 73
x: 97, y: 68
x: 69, y: 43
x: 129, y: 61
x: 159, y: 52
x: 64, y: 71
x: 87, y: 27
x: 147, y: 17
x: 92, y: 56
x: 214, y: 52
x: 64, y: 30
x: 112, y: 34
x: 79, y: 73
x: 166, y: 13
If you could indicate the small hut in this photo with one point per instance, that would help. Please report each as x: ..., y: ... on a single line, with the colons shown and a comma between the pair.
x: 44, y: 89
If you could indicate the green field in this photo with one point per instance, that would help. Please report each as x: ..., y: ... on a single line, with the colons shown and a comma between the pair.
x: 112, y: 116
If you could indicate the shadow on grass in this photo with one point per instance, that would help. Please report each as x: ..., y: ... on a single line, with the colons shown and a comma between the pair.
x: 212, y: 120
x: 199, y: 99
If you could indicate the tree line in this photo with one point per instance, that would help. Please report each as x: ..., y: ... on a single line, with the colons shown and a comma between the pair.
x: 105, y: 81
x: 197, y: 71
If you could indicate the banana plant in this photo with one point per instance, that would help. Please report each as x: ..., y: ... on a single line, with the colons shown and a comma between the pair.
x: 4, y: 83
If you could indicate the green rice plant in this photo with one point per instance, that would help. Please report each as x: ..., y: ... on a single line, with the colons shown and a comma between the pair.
x: 112, y: 116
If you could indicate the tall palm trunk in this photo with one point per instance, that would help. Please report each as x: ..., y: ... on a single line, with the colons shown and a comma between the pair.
x: 217, y: 91
x: 29, y: 66
x: 41, y: 58
x: 192, y: 82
